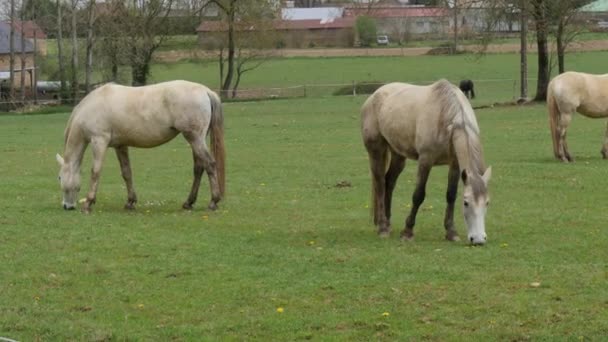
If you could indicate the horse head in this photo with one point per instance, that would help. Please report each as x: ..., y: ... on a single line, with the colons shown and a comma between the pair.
x: 475, y: 204
x: 70, y: 183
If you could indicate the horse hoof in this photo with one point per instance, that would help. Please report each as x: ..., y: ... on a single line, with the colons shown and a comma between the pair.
x: 452, y: 236
x: 407, y: 235
x: 383, y: 234
x: 604, y: 154
x: 86, y: 211
x: 212, y: 206
x: 130, y: 206
x: 187, y: 206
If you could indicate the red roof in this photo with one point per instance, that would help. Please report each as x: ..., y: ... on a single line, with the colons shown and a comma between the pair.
x: 309, y: 24
x: 397, y: 12
x: 28, y: 28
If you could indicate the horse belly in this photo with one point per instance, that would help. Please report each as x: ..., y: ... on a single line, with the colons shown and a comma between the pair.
x: 144, y: 138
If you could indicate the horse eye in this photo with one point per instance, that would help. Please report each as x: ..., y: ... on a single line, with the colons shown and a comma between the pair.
x: 466, y: 204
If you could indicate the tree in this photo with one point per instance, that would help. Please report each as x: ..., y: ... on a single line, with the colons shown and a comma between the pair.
x: 91, y: 17
x: 523, y: 70
x: 60, y: 62
x: 540, y: 16
x: 241, y: 22
x: 145, y: 26
x: 23, y: 55
x: 12, y: 51
x: 75, y: 63
x: 366, y: 29
x: 563, y: 15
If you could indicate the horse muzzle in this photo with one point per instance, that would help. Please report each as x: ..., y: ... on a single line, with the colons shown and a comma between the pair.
x: 478, y: 240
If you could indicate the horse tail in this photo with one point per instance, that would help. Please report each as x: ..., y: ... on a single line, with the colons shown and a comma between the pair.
x: 553, y: 119
x: 216, y: 130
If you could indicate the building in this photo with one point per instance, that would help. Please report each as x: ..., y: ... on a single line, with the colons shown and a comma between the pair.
x: 28, y: 48
x: 297, y: 28
x: 33, y: 33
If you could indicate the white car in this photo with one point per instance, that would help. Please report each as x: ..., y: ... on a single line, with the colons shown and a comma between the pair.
x: 382, y: 40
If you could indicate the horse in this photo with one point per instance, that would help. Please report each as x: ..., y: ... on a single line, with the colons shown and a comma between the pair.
x: 573, y: 92
x: 435, y: 125
x: 468, y: 88
x: 121, y: 117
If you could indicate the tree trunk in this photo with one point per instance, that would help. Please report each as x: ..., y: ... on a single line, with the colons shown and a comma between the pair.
x: 523, y: 68
x: 540, y: 17
x: 75, y: 84
x: 231, y: 51
x: 561, y: 48
x: 35, y: 62
x: 23, y: 57
x: 455, y: 47
x: 12, y: 52
x: 89, y: 53
x: 60, y: 52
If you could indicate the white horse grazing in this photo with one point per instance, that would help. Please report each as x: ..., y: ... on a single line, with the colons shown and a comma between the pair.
x: 573, y: 92
x: 118, y: 116
x: 435, y: 125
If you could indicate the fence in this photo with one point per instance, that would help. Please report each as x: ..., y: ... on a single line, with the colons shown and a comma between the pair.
x: 489, y: 92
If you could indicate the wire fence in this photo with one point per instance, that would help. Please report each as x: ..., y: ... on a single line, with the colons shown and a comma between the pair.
x: 488, y: 92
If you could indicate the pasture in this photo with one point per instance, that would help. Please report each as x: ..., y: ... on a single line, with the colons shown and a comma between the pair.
x: 291, y: 254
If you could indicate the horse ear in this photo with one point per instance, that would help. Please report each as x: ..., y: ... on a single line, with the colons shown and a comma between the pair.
x: 59, y: 159
x: 464, y: 176
x: 487, y: 175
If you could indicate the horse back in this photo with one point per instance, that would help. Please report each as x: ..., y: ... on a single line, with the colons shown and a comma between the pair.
x: 145, y: 116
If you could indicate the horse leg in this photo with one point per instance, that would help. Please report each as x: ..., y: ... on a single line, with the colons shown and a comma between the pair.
x: 562, y: 127
x: 450, y: 196
x: 377, y: 151
x: 424, y: 169
x: 209, y: 166
x: 99, y: 147
x: 605, y: 146
x: 122, y: 153
x: 394, y: 170
x: 195, y: 141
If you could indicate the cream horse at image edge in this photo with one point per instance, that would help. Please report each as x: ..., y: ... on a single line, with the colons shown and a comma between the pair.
x: 573, y: 92
x: 118, y: 116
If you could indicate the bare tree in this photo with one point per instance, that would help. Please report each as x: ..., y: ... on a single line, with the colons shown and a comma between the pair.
x: 523, y: 54
x: 145, y: 26
x: 91, y: 18
x: 60, y: 61
x: 564, y: 14
x: 541, y: 18
x: 23, y: 52
x: 248, y: 25
x: 12, y: 51
x: 75, y: 64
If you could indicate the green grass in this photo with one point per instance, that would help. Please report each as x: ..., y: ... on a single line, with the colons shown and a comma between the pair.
x: 287, y: 237
x: 496, y: 76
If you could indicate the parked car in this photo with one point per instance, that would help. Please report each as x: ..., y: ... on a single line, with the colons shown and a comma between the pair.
x: 382, y: 40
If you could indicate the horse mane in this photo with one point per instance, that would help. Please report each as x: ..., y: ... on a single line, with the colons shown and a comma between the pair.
x: 458, y: 116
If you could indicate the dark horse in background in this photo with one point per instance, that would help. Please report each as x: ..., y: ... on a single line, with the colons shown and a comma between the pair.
x: 468, y: 88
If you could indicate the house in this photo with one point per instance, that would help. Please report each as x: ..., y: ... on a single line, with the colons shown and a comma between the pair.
x: 297, y: 28
x: 596, y: 11
x: 403, y: 23
x: 33, y: 33
x: 28, y: 48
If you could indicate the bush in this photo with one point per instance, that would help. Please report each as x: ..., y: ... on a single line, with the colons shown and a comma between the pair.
x: 360, y: 88
x: 366, y: 28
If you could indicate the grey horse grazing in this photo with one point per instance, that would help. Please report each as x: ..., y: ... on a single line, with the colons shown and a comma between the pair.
x: 435, y: 125
x: 118, y: 116
x: 468, y: 88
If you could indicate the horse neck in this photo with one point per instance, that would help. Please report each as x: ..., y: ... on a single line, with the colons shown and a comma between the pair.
x: 74, y: 149
x: 467, y: 149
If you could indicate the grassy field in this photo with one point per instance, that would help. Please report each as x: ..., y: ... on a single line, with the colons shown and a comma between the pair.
x: 291, y: 256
